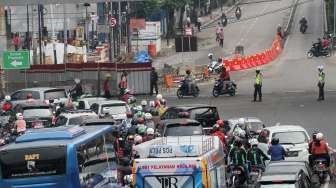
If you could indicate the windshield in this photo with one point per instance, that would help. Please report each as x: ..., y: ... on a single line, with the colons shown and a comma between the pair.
x: 54, y: 94
x: 184, y: 130
x: 37, y: 112
x: 278, y: 186
x: 114, y: 109
x: 33, y: 162
x: 295, y: 137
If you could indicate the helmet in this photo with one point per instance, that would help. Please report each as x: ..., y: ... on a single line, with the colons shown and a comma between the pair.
x: 320, y: 68
x: 19, y: 116
x: 143, y: 103
x: 254, y: 141
x: 131, y: 100
x: 242, y: 134
x: 77, y: 80
x: 241, y: 121
x: 148, y: 116
x: 188, y: 71
x: 159, y: 97
x: 275, y: 141
x: 258, y: 71
x: 139, y: 108
x: 8, y: 98
x: 108, y: 75
x: 150, y: 131
x: 163, y: 102
x: 211, y: 54
x: 215, y: 127
x: 127, y: 90
x: 130, y: 137
x: 319, y: 136
x: 29, y: 96
x: 152, y: 103
x: 220, y: 122
x: 138, y: 139
x: 141, y: 130
x: 141, y: 120
x: 129, y: 114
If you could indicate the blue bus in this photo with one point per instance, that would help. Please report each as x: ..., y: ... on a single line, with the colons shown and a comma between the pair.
x: 62, y: 157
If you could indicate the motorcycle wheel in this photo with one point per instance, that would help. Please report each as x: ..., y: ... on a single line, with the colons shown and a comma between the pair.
x: 232, y: 93
x: 179, y: 94
x: 215, y: 92
x: 310, y: 54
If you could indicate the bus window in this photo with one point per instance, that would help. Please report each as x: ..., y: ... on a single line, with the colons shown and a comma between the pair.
x: 33, y: 162
x: 94, y: 160
x: 213, y: 176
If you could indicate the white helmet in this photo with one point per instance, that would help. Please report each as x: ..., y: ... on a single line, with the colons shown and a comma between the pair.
x: 242, y: 134
x: 253, y: 141
x: 139, y: 108
x: 19, y: 116
x: 77, y: 80
x: 159, y: 97
x: 319, y: 136
x: 151, y: 103
x: 143, y: 103
x: 138, y: 139
x: 127, y: 90
x: 320, y: 67
x: 210, y: 55
x: 8, y: 98
x: 241, y: 121
x: 150, y: 131
x: 148, y: 116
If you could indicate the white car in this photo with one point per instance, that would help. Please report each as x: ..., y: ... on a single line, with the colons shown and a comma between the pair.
x: 293, y: 138
x: 86, y: 103
x: 255, y: 125
x: 115, y: 108
x: 75, y: 117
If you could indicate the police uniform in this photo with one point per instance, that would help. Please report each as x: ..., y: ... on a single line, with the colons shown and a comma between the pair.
x: 257, y: 87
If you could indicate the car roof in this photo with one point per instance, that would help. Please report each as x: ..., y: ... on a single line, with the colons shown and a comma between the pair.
x: 79, y: 114
x: 178, y: 121
x: 43, y: 89
x: 91, y: 121
x: 33, y: 104
x: 103, y: 102
x: 192, y: 106
x: 285, y: 128
x: 89, y: 131
x: 93, y: 99
x: 278, y: 177
x: 298, y: 164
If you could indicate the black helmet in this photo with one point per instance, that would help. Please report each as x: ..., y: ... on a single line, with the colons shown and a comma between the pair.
x: 258, y: 71
x: 275, y: 141
x: 188, y: 71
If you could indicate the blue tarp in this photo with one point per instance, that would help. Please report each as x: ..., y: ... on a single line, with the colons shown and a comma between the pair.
x: 142, y: 57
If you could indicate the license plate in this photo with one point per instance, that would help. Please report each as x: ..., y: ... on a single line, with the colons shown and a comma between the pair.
x: 236, y: 172
x: 254, y: 173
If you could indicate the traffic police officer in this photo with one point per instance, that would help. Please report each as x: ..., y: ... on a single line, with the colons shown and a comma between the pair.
x: 257, y: 86
x: 321, y: 82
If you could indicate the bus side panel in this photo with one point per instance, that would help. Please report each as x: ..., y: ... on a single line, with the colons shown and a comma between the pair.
x: 72, y: 167
x: 198, y: 179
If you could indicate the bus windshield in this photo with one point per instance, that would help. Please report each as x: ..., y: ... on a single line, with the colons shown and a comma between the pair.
x: 33, y: 162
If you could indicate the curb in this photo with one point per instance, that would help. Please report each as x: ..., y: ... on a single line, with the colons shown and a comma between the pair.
x: 288, y: 27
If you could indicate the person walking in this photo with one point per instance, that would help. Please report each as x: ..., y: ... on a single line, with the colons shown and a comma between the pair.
x: 257, y: 86
x: 320, y: 83
x: 153, y: 81
x: 221, y: 38
x: 123, y: 84
x: 16, y: 42
x: 218, y: 29
x: 107, y: 90
x: 199, y: 23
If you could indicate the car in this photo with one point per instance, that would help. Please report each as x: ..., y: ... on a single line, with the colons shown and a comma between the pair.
x: 95, y: 122
x: 293, y: 138
x: 179, y: 127
x: 115, y: 108
x: 255, y: 125
x: 42, y: 94
x: 36, y: 115
x: 293, y: 172
x: 86, y: 103
x: 205, y: 114
x: 76, y: 117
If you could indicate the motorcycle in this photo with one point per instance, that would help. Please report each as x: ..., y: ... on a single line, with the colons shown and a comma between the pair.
x: 313, y: 52
x: 215, y: 67
x: 222, y: 89
x: 237, y: 178
x: 320, y: 168
x: 303, y: 28
x: 255, y: 174
x: 183, y: 90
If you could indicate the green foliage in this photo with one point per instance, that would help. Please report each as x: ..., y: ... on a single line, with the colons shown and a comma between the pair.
x: 146, y: 8
x: 175, y: 4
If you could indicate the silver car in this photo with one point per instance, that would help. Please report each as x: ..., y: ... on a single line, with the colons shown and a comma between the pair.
x: 42, y: 94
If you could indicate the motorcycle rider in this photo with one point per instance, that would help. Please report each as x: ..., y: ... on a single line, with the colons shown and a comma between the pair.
x: 276, y: 150
x: 319, y: 149
x: 210, y: 56
x: 149, y: 135
x: 303, y: 22
x: 318, y: 45
x: 77, y: 90
x: 149, y: 121
x: 189, y: 81
x: 145, y: 106
x: 255, y: 155
x: 238, y: 156
x: 217, y: 132
x: 20, y: 124
x: 7, y: 106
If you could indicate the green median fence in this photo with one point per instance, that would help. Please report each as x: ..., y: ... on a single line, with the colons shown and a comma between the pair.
x: 16, y: 60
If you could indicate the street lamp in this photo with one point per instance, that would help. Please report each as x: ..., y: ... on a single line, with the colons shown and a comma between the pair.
x: 86, y: 30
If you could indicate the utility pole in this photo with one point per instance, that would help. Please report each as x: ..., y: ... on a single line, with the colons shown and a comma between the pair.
x: 28, y: 35
x: 65, y: 37
x: 119, y: 26
x: 39, y: 10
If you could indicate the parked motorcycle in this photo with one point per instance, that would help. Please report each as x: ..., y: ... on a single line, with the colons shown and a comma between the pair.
x: 320, y: 168
x: 237, y: 178
x: 314, y: 52
x: 183, y: 90
x: 223, y: 88
x: 303, y: 28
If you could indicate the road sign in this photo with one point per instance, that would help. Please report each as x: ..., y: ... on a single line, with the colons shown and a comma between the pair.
x: 16, y: 60
x: 113, y: 22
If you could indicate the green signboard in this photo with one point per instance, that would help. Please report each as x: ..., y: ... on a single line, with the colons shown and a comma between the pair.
x: 16, y: 60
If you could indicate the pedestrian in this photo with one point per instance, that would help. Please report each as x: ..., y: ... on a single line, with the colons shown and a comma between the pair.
x: 153, y: 82
x: 123, y: 84
x: 257, y: 86
x: 107, y: 89
x: 16, y: 42
x: 279, y: 31
x: 199, y: 23
x: 221, y: 38
x: 218, y: 29
x: 321, y: 82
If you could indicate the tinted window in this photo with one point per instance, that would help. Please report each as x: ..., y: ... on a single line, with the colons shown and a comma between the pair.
x: 295, y: 137
x: 54, y: 94
x: 184, y: 130
x: 37, y: 112
x: 95, y: 159
x: 171, y: 114
x: 33, y: 162
x: 114, y: 109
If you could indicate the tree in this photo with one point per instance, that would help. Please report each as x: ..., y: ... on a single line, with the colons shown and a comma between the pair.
x: 145, y: 8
